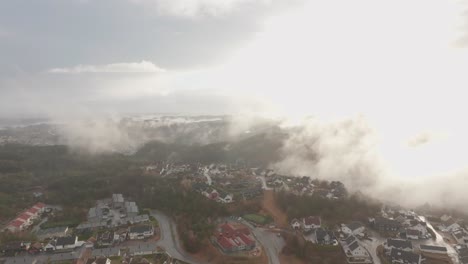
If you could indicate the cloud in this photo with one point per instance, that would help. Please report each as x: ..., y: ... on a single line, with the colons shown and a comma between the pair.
x: 132, y: 67
x: 192, y: 8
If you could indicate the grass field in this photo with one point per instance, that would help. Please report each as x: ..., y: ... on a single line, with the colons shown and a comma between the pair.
x: 257, y: 219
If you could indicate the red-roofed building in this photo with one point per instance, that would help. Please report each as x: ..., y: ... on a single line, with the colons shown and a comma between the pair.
x: 25, y: 218
x: 40, y: 207
x: 311, y: 222
x: 33, y: 212
x: 234, y: 238
x: 16, y: 226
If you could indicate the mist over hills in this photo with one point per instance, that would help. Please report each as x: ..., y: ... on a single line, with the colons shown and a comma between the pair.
x: 345, y: 150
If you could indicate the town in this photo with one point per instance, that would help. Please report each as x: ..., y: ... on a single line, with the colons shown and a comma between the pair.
x: 117, y: 230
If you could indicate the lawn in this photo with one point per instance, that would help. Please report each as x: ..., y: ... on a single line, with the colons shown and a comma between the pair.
x: 257, y: 218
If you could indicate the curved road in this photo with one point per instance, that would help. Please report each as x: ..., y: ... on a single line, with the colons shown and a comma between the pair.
x: 169, y: 239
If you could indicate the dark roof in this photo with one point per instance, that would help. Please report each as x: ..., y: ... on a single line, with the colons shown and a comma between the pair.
x: 320, y: 234
x: 353, y: 246
x: 63, y: 241
x: 354, y: 225
x: 405, y: 256
x: 140, y: 228
x: 413, y: 232
x: 386, y: 221
x: 312, y: 220
x: 350, y: 240
x: 436, y: 248
x: 399, y: 243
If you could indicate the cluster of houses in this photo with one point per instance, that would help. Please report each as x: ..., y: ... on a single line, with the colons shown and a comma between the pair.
x: 449, y: 225
x: 113, y: 212
x: 304, y: 185
x: 402, y: 251
x: 131, y: 254
x: 306, y: 224
x: 26, y: 218
x: 233, y: 237
x: 212, y: 194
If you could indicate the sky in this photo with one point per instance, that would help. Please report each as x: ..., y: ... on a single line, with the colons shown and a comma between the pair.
x: 400, y: 65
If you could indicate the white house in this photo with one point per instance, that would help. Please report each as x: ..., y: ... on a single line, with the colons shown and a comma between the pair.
x: 354, y: 228
x: 140, y: 232
x: 400, y: 244
x: 295, y: 224
x: 228, y: 198
x: 356, y: 251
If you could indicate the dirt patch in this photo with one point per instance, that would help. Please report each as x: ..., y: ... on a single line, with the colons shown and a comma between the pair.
x: 269, y: 205
x: 437, y: 258
x: 211, y: 254
x: 290, y: 260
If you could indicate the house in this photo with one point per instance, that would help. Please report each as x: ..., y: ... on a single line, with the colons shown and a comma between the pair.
x: 99, y: 260
x: 117, y: 200
x: 68, y: 242
x: 52, y: 232
x: 131, y: 209
x: 211, y: 194
x: 143, y: 249
x: 385, y: 225
x: 355, y: 253
x: 452, y: 227
x: 324, y: 237
x: 355, y: 250
x: 295, y: 224
x: 463, y: 255
x: 225, y: 198
x: 35, y: 248
x: 421, y: 228
x: 140, y: 232
x: 433, y: 249
x: 400, y: 244
x: 311, y: 222
x: 461, y: 236
x: 353, y: 228
x: 413, y: 234
x: 404, y: 257
x: 105, y: 239
x: 233, y: 238
x: 106, y: 252
x: 50, y: 246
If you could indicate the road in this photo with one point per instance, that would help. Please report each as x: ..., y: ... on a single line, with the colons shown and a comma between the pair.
x: 169, y: 238
x: 272, y: 244
x: 439, y: 241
